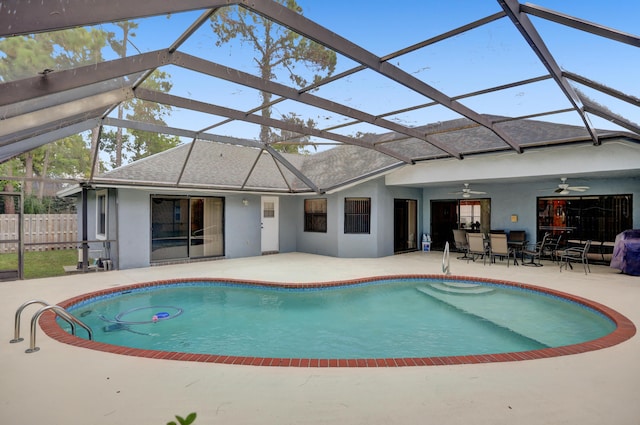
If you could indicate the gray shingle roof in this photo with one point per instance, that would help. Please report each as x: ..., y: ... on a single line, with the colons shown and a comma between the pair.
x: 224, y: 165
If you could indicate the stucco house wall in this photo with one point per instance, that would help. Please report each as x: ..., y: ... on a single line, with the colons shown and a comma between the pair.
x: 134, y: 225
x: 363, y: 245
x: 108, y: 248
x: 241, y: 226
x: 290, y: 224
x: 379, y: 242
x: 318, y: 242
x: 512, y: 181
x: 129, y: 217
x: 521, y: 199
x: 129, y: 223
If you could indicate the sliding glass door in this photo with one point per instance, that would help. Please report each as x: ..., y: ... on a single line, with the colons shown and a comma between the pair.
x: 599, y: 217
x: 206, y: 227
x: 183, y: 228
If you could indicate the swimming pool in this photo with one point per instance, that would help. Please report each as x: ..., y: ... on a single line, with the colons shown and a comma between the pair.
x: 381, y: 321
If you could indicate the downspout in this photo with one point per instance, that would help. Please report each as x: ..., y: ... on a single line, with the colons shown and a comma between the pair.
x: 21, y: 236
x: 85, y: 230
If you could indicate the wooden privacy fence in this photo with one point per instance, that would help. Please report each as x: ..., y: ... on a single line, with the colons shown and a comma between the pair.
x: 46, y: 229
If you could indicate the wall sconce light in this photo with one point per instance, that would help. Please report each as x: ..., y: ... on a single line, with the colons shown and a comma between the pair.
x: 245, y: 202
x: 514, y: 218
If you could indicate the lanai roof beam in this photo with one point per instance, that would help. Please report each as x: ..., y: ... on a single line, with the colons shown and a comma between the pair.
x: 25, y: 17
x: 580, y: 24
x: 248, y: 80
x: 530, y: 34
x: 333, y: 41
x: 182, y: 102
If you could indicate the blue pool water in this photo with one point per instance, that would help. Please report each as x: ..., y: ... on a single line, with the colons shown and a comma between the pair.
x: 406, y: 318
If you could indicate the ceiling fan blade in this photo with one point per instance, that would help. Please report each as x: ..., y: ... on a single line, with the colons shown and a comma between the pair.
x: 467, y: 192
x: 559, y: 190
x: 578, y: 188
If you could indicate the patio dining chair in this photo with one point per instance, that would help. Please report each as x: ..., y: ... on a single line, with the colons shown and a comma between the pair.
x: 461, y: 243
x: 552, y: 248
x: 517, y: 240
x: 517, y: 237
x: 576, y: 254
x: 477, y: 247
x: 534, y: 252
x: 500, y: 248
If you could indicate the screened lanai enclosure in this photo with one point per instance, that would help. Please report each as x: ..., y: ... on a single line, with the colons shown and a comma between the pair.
x: 417, y: 74
x: 385, y: 85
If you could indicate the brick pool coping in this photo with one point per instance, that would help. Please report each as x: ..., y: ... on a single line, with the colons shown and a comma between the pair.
x: 625, y: 329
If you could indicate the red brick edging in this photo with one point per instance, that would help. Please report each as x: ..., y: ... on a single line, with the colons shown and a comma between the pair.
x: 625, y: 329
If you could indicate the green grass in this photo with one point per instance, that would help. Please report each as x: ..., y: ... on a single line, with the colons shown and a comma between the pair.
x: 41, y: 263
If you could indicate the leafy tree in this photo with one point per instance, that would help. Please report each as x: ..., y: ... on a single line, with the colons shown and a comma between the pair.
x: 8, y: 201
x: 138, y: 144
x: 109, y: 142
x: 69, y: 158
x: 26, y: 56
x: 78, y: 47
x: 290, y: 142
x: 146, y: 143
x: 277, y: 49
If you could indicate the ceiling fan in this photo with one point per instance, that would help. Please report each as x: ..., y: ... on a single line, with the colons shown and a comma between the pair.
x: 565, y: 189
x: 467, y: 192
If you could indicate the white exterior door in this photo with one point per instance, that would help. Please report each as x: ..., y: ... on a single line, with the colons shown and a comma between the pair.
x: 270, y: 229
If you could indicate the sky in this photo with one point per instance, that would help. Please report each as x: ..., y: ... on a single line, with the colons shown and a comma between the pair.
x: 485, y: 57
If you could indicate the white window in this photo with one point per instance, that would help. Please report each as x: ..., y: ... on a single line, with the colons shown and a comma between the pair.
x: 269, y: 209
x: 101, y: 214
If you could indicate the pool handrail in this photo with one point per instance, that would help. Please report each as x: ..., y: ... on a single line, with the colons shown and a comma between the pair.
x: 16, y: 322
x: 446, y: 269
x: 62, y: 313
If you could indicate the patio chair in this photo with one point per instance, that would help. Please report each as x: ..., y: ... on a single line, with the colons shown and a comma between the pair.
x: 461, y: 243
x: 476, y: 246
x: 534, y: 252
x: 517, y: 237
x: 603, y: 252
x: 551, y: 248
x: 576, y: 254
x: 500, y: 248
x: 517, y: 240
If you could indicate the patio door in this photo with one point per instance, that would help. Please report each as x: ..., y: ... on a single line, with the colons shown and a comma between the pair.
x: 405, y: 225
x: 270, y: 233
x: 206, y: 227
x: 444, y: 218
x: 469, y: 214
x: 186, y: 227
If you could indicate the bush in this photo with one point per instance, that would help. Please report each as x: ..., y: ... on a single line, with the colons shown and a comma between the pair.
x: 49, y: 205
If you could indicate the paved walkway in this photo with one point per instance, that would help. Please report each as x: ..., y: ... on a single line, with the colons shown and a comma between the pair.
x: 62, y: 384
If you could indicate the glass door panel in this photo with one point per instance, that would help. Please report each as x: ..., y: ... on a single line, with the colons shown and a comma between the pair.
x: 169, y: 228
x: 206, y: 227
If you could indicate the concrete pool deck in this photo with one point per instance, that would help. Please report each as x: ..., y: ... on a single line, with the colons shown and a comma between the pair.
x: 65, y: 384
